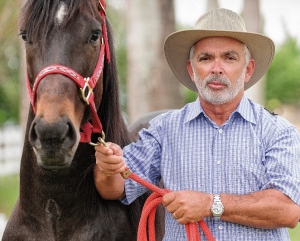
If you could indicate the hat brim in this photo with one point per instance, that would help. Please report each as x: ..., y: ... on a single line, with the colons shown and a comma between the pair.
x: 177, y: 50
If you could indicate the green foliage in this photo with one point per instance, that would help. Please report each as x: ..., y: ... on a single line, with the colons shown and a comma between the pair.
x: 9, y: 192
x: 9, y: 62
x: 190, y: 96
x: 283, y: 76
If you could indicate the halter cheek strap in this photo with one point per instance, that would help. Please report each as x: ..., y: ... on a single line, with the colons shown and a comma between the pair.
x: 85, y: 84
x: 102, y: 13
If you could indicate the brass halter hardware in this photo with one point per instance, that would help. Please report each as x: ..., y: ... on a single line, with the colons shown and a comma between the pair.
x: 86, y: 98
x: 100, y: 6
x: 101, y: 141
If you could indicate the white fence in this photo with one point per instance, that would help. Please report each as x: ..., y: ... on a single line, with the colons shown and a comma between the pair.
x: 3, y: 222
x: 11, y: 145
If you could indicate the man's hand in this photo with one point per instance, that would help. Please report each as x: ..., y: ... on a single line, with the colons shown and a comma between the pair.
x: 109, y: 159
x: 188, y: 206
x: 109, y: 165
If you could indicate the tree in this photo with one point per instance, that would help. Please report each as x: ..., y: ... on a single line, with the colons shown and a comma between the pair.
x: 251, y: 16
x: 150, y: 83
x: 283, y: 81
x: 9, y: 62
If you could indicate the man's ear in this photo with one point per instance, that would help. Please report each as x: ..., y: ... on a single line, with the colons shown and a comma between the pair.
x: 249, y: 70
x: 190, y: 69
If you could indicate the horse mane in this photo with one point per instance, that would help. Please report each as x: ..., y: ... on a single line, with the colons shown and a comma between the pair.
x: 109, y: 111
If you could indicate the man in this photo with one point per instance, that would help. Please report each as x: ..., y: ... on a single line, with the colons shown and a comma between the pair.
x: 228, y: 160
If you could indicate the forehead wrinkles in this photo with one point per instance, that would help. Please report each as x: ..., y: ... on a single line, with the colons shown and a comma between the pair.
x: 61, y: 13
x: 221, y: 44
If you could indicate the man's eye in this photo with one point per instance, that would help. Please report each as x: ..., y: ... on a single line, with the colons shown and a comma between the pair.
x: 230, y: 58
x: 204, y: 59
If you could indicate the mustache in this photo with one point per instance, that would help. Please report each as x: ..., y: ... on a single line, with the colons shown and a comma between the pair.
x: 220, y: 79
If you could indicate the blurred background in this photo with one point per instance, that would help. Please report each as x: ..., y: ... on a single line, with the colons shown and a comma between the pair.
x: 146, y: 83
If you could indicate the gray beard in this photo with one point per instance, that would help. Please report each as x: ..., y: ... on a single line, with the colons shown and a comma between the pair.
x: 219, y: 97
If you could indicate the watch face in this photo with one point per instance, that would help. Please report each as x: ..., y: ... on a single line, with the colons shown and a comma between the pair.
x: 217, y: 208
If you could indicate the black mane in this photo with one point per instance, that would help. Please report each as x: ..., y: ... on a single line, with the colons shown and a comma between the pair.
x: 109, y: 111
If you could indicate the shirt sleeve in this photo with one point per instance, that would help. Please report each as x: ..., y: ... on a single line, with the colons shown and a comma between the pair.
x: 143, y: 158
x: 283, y: 163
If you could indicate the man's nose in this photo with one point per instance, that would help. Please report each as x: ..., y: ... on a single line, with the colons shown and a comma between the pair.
x: 217, y: 68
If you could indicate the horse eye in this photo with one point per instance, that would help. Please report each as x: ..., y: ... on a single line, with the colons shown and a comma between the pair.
x: 24, y: 37
x: 95, y: 38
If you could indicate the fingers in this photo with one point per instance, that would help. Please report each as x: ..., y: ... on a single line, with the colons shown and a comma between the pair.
x: 168, y: 199
x: 113, y: 167
x: 188, y: 206
x: 109, y: 149
x: 109, y: 159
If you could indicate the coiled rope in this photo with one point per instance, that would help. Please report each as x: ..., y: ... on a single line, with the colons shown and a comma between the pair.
x: 148, y: 213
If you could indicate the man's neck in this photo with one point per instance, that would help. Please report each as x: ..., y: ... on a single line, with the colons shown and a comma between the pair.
x: 220, y: 113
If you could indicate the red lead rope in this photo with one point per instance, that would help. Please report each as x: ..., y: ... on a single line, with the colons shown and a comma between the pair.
x: 148, y: 213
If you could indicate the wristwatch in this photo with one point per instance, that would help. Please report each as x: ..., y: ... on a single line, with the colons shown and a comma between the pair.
x: 217, y: 207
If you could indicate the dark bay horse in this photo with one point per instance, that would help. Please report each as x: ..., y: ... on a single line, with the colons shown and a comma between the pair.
x: 58, y: 199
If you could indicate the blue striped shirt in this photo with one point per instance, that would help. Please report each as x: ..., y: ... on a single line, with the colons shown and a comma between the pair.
x: 252, y: 151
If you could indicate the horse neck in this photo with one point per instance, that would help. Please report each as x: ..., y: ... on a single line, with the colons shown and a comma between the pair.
x: 66, y: 189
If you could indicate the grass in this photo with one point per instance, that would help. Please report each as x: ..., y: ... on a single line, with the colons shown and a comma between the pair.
x: 295, y: 233
x: 9, y: 192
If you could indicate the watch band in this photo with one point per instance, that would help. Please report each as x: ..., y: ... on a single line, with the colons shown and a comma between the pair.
x: 217, y: 198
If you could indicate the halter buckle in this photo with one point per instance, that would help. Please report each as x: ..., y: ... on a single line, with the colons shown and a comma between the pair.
x: 86, y: 98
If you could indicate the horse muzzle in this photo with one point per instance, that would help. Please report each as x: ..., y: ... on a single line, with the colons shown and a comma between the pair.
x: 54, y: 143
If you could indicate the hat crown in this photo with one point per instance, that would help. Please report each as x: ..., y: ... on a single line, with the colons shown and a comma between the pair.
x: 221, y: 19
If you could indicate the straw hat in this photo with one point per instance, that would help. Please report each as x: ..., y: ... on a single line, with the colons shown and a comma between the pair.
x: 217, y: 22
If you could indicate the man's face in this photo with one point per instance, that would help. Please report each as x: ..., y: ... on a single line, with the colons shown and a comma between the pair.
x: 219, y: 70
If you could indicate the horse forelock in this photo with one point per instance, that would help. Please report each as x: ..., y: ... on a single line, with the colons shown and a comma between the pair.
x: 39, y: 17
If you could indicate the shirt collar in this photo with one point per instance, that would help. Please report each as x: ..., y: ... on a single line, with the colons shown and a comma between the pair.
x: 194, y: 110
x: 244, y: 109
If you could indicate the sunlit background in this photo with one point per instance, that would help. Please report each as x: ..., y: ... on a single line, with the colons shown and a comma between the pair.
x: 147, y: 85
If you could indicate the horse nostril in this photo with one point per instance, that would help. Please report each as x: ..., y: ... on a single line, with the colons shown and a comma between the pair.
x: 60, y: 134
x: 70, y: 135
x: 33, y: 138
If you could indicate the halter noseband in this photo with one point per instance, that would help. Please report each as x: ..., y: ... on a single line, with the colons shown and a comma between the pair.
x: 84, y: 83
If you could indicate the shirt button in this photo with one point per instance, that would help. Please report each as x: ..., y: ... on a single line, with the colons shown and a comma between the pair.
x: 220, y: 131
x: 218, y: 162
x: 220, y: 227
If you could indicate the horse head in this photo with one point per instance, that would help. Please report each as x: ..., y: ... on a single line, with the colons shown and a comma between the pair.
x: 72, y: 38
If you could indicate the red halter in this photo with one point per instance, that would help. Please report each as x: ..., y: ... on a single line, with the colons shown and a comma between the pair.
x: 83, y: 83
